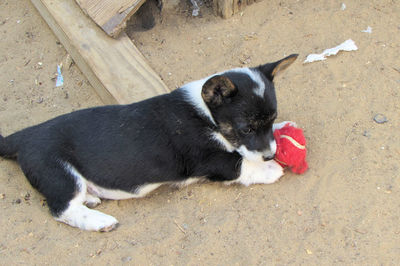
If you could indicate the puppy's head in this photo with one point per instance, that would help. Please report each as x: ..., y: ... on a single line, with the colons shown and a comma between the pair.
x: 242, y: 103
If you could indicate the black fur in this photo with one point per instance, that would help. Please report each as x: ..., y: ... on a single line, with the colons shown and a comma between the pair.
x: 120, y: 147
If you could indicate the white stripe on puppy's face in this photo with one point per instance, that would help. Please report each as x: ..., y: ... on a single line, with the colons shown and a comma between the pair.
x: 255, y: 76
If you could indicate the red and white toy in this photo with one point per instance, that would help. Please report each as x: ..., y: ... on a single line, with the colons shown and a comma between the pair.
x: 291, y: 148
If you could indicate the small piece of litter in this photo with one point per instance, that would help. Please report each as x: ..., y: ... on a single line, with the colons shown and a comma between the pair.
x: 60, y: 78
x: 196, y: 8
x: 380, y: 119
x: 309, y: 252
x: 348, y: 45
x: 368, y: 30
x: 343, y: 7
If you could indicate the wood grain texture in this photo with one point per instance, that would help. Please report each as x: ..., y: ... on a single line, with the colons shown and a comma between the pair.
x: 110, y: 15
x: 115, y: 67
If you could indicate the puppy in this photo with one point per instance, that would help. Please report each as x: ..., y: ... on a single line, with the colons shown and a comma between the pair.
x: 219, y: 128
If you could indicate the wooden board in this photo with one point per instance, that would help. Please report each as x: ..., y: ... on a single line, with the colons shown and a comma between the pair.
x: 110, y: 15
x: 114, y: 67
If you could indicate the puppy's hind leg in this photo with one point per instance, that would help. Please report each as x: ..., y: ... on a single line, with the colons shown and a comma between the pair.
x: 78, y: 215
x: 65, y: 192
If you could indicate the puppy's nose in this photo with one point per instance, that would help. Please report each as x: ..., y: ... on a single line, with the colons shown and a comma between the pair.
x: 268, y: 158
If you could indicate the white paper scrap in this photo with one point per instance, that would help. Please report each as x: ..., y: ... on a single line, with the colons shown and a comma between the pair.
x: 348, y: 45
x: 343, y: 6
x: 60, y: 78
x: 368, y: 30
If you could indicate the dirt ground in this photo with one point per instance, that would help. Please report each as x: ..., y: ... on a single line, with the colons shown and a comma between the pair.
x: 345, y: 209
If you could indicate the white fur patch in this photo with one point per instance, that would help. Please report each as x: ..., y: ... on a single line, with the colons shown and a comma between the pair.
x: 223, y: 141
x: 189, y: 181
x: 272, y: 146
x: 256, y: 77
x: 193, y: 93
x: 256, y: 155
x: 259, y: 172
x: 145, y: 189
x: 116, y: 194
x: 250, y: 155
x: 78, y: 215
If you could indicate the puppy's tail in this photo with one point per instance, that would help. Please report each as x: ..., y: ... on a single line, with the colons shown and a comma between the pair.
x: 8, y: 147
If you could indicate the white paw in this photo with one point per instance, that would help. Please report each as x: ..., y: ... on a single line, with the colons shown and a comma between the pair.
x: 282, y: 124
x: 259, y: 172
x: 91, y: 201
x: 86, y: 219
x: 100, y: 222
x: 273, y: 171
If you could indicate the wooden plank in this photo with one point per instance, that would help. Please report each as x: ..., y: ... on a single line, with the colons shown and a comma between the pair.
x: 115, y: 67
x: 110, y: 15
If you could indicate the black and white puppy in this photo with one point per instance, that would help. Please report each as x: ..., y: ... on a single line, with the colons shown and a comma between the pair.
x: 219, y: 128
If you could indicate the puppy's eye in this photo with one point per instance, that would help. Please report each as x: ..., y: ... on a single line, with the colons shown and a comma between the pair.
x: 246, y: 130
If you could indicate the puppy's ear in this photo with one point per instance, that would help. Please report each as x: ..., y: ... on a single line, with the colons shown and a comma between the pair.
x: 217, y: 89
x: 270, y: 70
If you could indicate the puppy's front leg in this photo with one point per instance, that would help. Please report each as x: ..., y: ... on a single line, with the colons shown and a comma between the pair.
x: 220, y: 166
x: 255, y: 172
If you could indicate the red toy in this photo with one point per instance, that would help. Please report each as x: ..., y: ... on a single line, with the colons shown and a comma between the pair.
x: 291, y: 148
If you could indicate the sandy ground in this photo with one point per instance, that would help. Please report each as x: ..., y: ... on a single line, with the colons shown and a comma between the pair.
x: 344, y: 210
